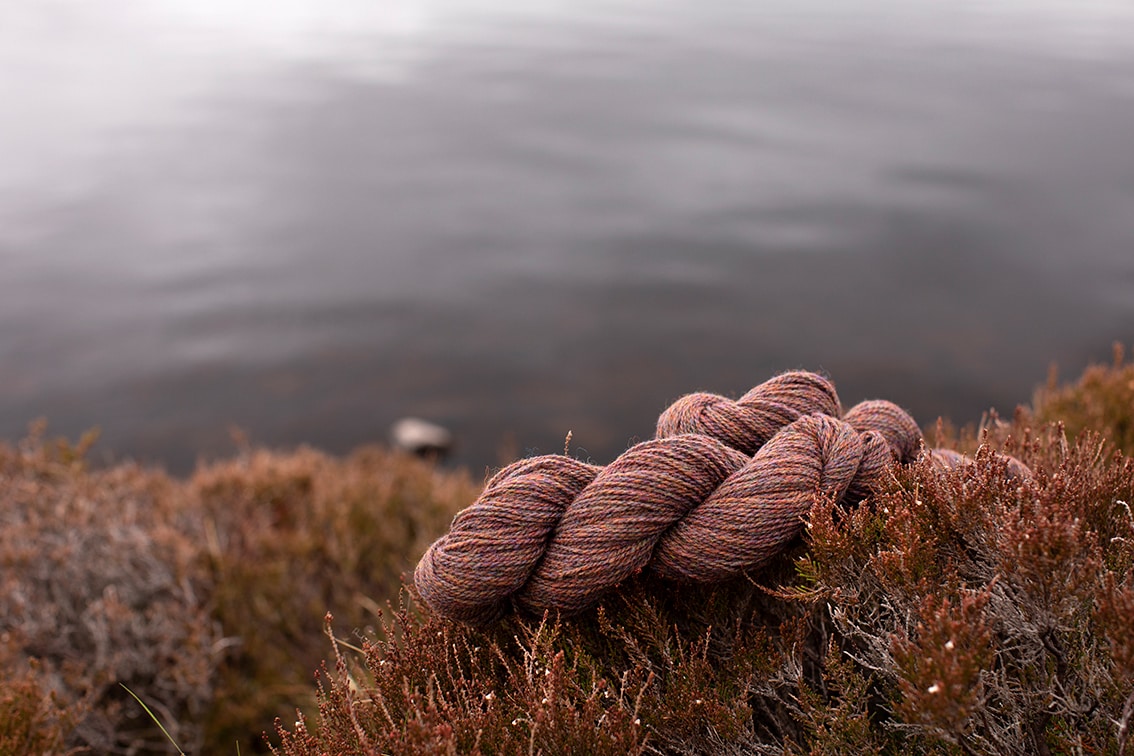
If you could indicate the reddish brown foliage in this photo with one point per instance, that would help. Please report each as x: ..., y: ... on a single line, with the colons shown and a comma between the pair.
x: 1101, y: 400
x: 964, y: 611
x: 953, y: 612
x: 33, y: 718
x: 101, y: 585
x: 204, y: 597
x: 289, y: 537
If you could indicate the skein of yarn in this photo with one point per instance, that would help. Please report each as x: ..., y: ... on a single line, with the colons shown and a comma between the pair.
x: 722, y: 488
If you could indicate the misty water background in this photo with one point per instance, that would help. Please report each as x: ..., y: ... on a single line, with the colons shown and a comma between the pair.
x: 517, y: 218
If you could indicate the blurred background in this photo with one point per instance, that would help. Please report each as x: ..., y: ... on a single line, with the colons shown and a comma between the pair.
x: 515, y: 218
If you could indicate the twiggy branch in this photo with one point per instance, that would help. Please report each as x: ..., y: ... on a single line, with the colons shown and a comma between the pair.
x: 1124, y: 724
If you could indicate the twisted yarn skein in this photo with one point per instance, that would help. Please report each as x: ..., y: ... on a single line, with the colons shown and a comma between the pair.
x: 722, y: 489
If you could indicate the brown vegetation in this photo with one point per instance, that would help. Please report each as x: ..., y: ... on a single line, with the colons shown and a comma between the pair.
x: 954, y: 612
x: 289, y: 537
x: 204, y: 597
x: 1100, y: 401
x: 102, y: 585
x: 957, y: 611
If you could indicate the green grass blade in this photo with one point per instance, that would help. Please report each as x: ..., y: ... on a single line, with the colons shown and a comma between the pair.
x: 153, y: 717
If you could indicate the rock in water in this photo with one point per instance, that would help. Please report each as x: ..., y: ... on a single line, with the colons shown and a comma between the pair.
x: 421, y: 437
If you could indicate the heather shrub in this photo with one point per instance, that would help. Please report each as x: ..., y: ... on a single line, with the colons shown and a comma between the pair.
x: 33, y: 718
x: 985, y: 608
x: 204, y: 597
x: 953, y: 612
x: 100, y: 585
x: 619, y: 682
x: 1101, y: 400
x: 291, y: 536
x: 964, y: 611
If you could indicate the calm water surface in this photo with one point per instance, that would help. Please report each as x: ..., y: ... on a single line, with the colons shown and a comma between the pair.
x: 311, y: 217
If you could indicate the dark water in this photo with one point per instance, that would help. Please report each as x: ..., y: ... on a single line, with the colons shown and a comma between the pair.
x: 519, y: 218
